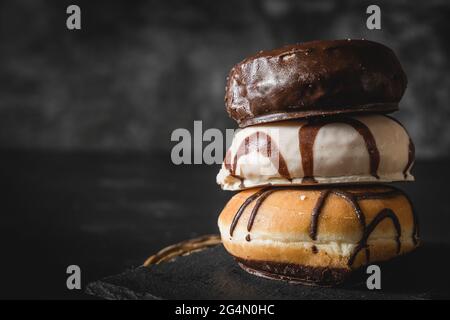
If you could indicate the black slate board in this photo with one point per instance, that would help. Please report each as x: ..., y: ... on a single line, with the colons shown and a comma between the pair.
x: 213, y: 274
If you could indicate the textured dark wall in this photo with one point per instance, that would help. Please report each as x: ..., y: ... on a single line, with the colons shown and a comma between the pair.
x: 139, y: 69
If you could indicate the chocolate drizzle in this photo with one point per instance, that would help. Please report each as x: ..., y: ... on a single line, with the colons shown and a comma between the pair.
x: 411, y: 156
x: 307, y: 136
x: 316, y: 213
x: 263, y: 144
x: 227, y: 161
x: 377, y: 195
x: 243, y: 207
x: 415, y: 234
x: 320, y: 203
x: 383, y: 214
x: 260, y: 196
x: 411, y: 149
x: 352, y: 198
x: 255, y: 209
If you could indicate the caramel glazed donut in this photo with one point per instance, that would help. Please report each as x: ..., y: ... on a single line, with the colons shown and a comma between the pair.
x: 317, y: 235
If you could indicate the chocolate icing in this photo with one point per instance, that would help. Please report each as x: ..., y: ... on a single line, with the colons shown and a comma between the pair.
x: 315, y: 78
x: 307, y: 136
x: 352, y: 198
x: 383, y: 214
x: 263, y: 144
x: 411, y: 156
x: 411, y: 149
x: 295, y: 273
x: 315, y: 215
x: 242, y: 208
x: 255, y: 209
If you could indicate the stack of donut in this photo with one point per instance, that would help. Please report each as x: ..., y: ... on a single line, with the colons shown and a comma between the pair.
x: 311, y: 159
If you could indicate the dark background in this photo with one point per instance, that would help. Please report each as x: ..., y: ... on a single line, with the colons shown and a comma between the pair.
x: 86, y: 118
x: 135, y: 72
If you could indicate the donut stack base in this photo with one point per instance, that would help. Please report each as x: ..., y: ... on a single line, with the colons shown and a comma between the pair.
x: 317, y: 235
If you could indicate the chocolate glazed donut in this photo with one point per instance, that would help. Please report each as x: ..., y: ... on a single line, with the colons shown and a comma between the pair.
x: 315, y: 79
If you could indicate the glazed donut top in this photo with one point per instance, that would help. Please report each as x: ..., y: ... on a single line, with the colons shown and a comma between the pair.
x: 315, y: 78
